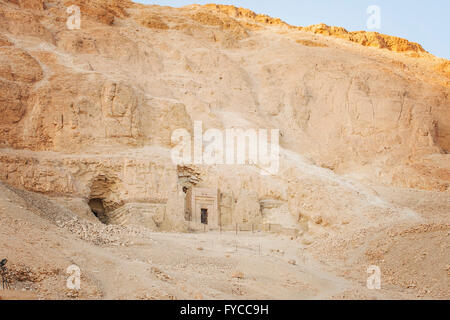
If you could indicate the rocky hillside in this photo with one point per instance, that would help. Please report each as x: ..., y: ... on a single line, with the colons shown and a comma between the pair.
x: 104, y: 99
x: 86, y: 122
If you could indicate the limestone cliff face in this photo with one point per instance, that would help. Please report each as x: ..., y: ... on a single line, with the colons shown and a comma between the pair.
x: 370, y: 39
x: 103, y: 100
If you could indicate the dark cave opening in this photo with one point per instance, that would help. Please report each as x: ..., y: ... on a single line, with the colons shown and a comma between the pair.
x: 204, y: 216
x: 98, y: 209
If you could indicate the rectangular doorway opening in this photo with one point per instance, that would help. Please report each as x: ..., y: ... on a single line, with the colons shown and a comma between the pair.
x: 204, y: 216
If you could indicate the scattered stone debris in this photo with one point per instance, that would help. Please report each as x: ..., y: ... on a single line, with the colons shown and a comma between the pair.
x: 317, y: 219
x: 198, y: 296
x: 72, y: 294
x: 277, y: 251
x: 100, y: 234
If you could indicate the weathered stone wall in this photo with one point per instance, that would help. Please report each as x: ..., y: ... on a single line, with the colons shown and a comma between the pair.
x: 89, y: 113
x: 117, y: 181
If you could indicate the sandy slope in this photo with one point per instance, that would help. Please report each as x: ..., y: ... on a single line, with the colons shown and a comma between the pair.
x: 103, y: 101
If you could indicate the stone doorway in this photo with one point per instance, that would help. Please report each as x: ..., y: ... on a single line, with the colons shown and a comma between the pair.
x: 201, y: 206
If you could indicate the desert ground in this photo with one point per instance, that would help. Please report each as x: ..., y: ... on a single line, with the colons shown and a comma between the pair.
x: 128, y: 263
x: 87, y: 115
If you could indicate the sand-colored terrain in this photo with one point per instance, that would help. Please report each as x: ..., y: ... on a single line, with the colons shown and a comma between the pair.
x: 86, y: 116
x: 130, y: 263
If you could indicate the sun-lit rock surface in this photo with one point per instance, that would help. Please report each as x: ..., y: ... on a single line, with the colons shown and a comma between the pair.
x: 89, y: 113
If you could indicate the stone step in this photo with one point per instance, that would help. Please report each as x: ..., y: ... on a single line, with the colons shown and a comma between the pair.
x: 122, y: 215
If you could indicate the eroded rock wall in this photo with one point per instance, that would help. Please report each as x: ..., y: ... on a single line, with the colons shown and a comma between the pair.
x: 100, y: 104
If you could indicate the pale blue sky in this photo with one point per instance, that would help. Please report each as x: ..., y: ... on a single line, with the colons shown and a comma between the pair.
x: 425, y: 22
